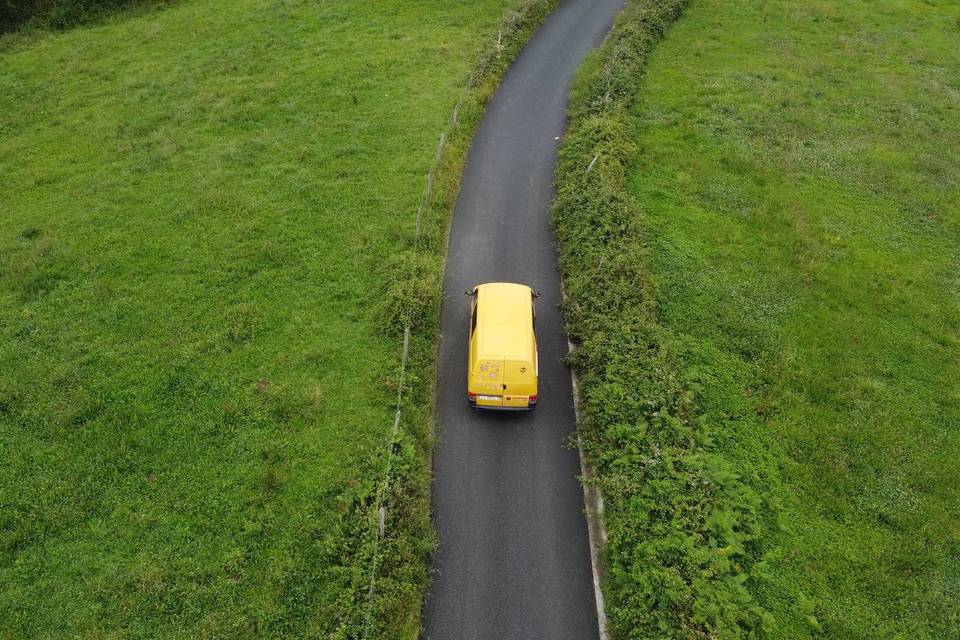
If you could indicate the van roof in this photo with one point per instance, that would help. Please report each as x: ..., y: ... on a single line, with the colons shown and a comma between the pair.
x: 504, y: 320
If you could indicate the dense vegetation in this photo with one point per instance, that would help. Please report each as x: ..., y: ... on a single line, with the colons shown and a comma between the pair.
x: 683, y: 532
x: 196, y: 383
x: 58, y: 14
x: 762, y: 275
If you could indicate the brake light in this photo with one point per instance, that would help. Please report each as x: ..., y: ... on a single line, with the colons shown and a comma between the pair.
x: 471, y: 395
x: 533, y: 399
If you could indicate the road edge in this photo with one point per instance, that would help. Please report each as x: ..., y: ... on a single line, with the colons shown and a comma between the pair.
x: 593, y: 505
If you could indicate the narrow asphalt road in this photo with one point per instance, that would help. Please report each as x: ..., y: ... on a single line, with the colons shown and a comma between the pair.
x: 513, y: 561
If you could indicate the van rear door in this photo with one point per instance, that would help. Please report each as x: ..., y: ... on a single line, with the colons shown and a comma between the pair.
x: 519, y: 383
x: 489, y: 381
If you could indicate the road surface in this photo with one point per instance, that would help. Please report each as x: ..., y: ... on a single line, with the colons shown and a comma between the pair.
x: 513, y: 560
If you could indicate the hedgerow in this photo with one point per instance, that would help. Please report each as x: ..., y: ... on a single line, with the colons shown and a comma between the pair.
x: 685, y: 544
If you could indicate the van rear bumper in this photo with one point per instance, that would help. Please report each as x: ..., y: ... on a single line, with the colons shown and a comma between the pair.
x: 492, y: 407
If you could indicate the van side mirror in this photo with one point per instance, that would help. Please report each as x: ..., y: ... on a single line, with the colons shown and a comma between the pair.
x: 537, y: 294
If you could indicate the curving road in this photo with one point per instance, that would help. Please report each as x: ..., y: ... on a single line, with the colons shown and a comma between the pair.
x: 513, y: 560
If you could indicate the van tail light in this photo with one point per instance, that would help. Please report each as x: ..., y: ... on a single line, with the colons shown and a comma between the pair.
x: 533, y: 399
x: 471, y: 395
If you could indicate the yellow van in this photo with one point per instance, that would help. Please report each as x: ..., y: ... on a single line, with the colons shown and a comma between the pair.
x: 502, y: 362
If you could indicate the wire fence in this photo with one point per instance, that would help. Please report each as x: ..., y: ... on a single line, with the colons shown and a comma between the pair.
x: 516, y: 22
x: 395, y: 432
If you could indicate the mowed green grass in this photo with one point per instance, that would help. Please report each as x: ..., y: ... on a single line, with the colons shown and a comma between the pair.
x: 197, y: 202
x: 799, y: 190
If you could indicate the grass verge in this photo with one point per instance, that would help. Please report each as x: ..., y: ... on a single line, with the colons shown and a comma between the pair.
x: 761, y: 269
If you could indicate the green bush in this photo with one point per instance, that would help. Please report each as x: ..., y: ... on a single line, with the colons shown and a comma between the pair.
x: 684, y: 551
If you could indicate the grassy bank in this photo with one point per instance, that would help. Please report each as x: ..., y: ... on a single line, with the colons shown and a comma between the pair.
x: 196, y: 382
x: 764, y: 287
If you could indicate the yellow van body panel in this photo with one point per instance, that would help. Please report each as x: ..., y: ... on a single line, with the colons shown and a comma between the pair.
x: 502, y: 363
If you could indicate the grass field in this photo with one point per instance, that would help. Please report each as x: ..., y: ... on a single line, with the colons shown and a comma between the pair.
x: 198, y: 202
x: 799, y: 191
x: 794, y: 195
